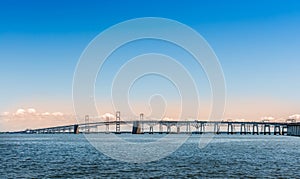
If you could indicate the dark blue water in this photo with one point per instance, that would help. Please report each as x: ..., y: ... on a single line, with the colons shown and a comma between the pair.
x: 71, y: 156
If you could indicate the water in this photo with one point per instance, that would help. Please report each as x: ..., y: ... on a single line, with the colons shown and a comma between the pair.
x: 71, y: 156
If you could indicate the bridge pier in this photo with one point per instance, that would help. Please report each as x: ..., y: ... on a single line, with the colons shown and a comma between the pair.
x: 151, y: 129
x: 230, y: 128
x: 248, y: 127
x: 188, y: 127
x: 267, y: 126
x: 178, y: 129
x: 284, y: 130
x: 216, y: 128
x: 168, y: 128
x: 255, y: 129
x: 293, y: 129
x: 243, y: 129
x: 202, y: 128
x: 160, y: 127
x: 277, y: 130
x: 136, y: 128
x: 197, y: 125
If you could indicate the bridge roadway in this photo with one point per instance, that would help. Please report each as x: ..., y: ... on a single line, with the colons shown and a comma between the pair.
x: 147, y: 126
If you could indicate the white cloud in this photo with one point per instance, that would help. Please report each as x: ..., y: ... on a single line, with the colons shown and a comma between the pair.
x: 45, y: 114
x: 31, y: 111
x: 20, y: 112
x: 109, y: 115
x: 30, y: 118
x: 295, y: 116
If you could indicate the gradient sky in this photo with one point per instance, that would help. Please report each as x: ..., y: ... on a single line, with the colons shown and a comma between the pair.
x: 257, y: 43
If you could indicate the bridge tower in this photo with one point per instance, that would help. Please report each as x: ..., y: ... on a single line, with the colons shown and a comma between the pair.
x: 142, y: 121
x: 87, y: 120
x: 118, y: 122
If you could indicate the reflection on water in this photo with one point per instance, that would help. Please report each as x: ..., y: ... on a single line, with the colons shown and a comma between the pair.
x: 71, y: 156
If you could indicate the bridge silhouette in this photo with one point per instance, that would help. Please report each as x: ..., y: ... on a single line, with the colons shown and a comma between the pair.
x: 142, y: 126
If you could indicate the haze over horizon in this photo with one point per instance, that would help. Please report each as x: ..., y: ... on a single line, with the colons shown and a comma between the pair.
x: 256, y: 42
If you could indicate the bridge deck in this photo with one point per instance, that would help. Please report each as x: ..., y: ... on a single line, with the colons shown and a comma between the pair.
x: 191, y: 127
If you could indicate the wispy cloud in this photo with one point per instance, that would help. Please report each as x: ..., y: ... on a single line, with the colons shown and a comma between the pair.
x: 31, y: 112
x: 5, y: 114
x: 32, y: 118
x: 168, y: 119
x: 268, y: 118
x: 242, y: 120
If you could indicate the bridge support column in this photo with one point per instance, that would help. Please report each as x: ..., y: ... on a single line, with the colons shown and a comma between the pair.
x: 230, y: 128
x: 76, y: 129
x: 188, y: 127
x: 178, y: 129
x: 168, y: 128
x: 243, y: 129
x: 277, y: 130
x: 248, y: 128
x: 267, y: 126
x: 160, y: 127
x: 255, y: 129
x: 136, y: 128
x: 151, y: 130
x: 198, y: 127
x: 216, y: 128
x: 202, y: 128
x: 284, y: 130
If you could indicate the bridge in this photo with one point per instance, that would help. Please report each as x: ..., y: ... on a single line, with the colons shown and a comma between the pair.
x: 142, y: 126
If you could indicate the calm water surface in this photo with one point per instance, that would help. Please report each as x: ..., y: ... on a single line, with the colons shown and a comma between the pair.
x: 71, y: 156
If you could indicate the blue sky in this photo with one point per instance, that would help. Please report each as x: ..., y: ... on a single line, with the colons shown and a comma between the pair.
x: 257, y: 43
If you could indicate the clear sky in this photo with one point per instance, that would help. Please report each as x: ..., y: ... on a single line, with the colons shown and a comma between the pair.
x: 257, y: 43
